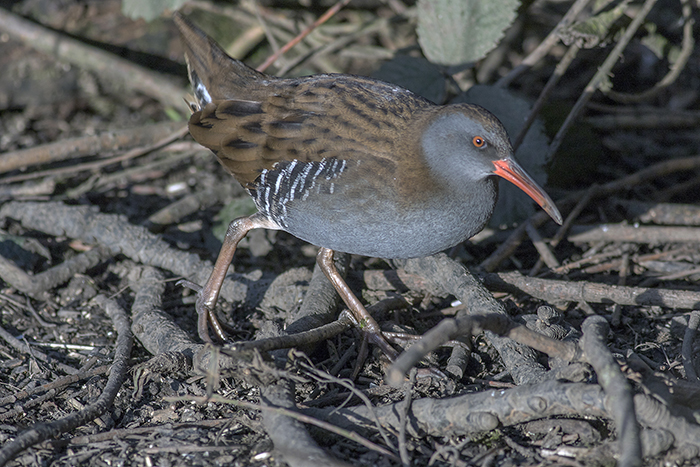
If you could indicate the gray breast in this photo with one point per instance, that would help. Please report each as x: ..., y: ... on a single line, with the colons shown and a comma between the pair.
x: 323, y: 204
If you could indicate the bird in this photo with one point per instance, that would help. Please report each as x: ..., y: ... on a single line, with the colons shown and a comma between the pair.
x: 347, y: 163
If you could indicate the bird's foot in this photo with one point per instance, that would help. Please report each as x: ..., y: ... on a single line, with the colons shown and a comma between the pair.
x: 205, y: 315
x: 371, y: 334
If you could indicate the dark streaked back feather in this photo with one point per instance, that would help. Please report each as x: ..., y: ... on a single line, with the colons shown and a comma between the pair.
x: 251, y: 120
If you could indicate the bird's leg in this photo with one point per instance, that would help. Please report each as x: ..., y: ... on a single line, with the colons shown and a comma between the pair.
x: 367, y: 324
x: 209, y: 294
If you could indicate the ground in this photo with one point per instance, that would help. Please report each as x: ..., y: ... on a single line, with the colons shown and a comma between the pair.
x: 106, y: 203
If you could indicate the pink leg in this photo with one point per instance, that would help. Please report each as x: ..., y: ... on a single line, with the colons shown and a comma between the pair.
x: 209, y: 294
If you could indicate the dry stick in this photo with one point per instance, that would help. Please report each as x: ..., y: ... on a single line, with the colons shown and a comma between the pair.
x: 486, y: 410
x: 621, y: 281
x: 619, y: 401
x: 246, y: 41
x: 136, y: 152
x: 159, y: 334
x: 326, y: 378
x: 625, y: 183
x: 190, y: 204
x: 322, y: 19
x: 33, y: 353
x: 321, y: 300
x: 106, y: 65
x: 687, y: 46
x: 35, y: 286
x: 403, y: 418
x: 688, y: 341
x: 43, y: 431
x: 656, y: 415
x: 266, y: 29
x: 479, y: 412
x: 546, y: 45
x: 125, y: 432
x: 564, y: 228
x: 553, y: 290
x: 448, y: 276
x: 594, y: 259
x: 296, y: 416
x: 339, y: 43
x: 73, y: 148
x: 162, y: 164
x: 604, y: 267
x: 661, y: 213
x: 248, y: 22
x: 19, y: 410
x: 282, y: 424
x: 300, y: 339
x: 51, y: 387
x: 121, y: 237
x: 500, y: 325
x: 28, y: 190
x: 545, y: 253
x: 153, y: 327
x: 634, y: 234
x: 559, y: 71
x: 290, y: 437
x: 601, y: 76
x: 677, y: 275
x: 304, y: 338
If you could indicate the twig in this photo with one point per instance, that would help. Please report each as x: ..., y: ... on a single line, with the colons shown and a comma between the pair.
x: 468, y: 326
x: 291, y: 414
x: 650, y: 235
x: 403, y: 418
x: 325, y: 377
x: 121, y: 237
x: 322, y: 19
x: 35, y: 286
x: 564, y: 228
x: 625, y: 183
x: 546, y: 45
x: 42, y: 431
x: 687, y: 46
x: 291, y: 438
x: 601, y: 76
x: 480, y: 411
x: 545, y: 253
x: 109, y: 141
x: 75, y: 168
x: 688, y: 343
x: 32, y: 353
x: 552, y: 290
x: 559, y: 71
x: 619, y: 401
x: 288, y: 341
x: 110, y: 67
x: 449, y: 277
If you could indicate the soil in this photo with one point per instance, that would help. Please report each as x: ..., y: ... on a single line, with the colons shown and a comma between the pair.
x: 100, y: 360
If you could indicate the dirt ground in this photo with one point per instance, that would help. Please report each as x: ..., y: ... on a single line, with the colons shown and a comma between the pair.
x: 570, y: 345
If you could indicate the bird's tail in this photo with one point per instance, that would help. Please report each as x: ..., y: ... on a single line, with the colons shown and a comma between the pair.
x: 213, y: 73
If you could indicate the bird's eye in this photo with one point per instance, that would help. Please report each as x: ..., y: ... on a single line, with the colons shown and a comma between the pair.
x: 479, y: 141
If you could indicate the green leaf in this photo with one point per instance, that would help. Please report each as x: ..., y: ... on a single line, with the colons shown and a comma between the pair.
x: 657, y: 43
x: 148, y: 9
x: 454, y: 32
x: 593, y: 31
x: 239, y: 207
x: 415, y: 74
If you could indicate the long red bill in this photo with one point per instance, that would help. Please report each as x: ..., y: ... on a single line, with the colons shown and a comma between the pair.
x: 511, y: 171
